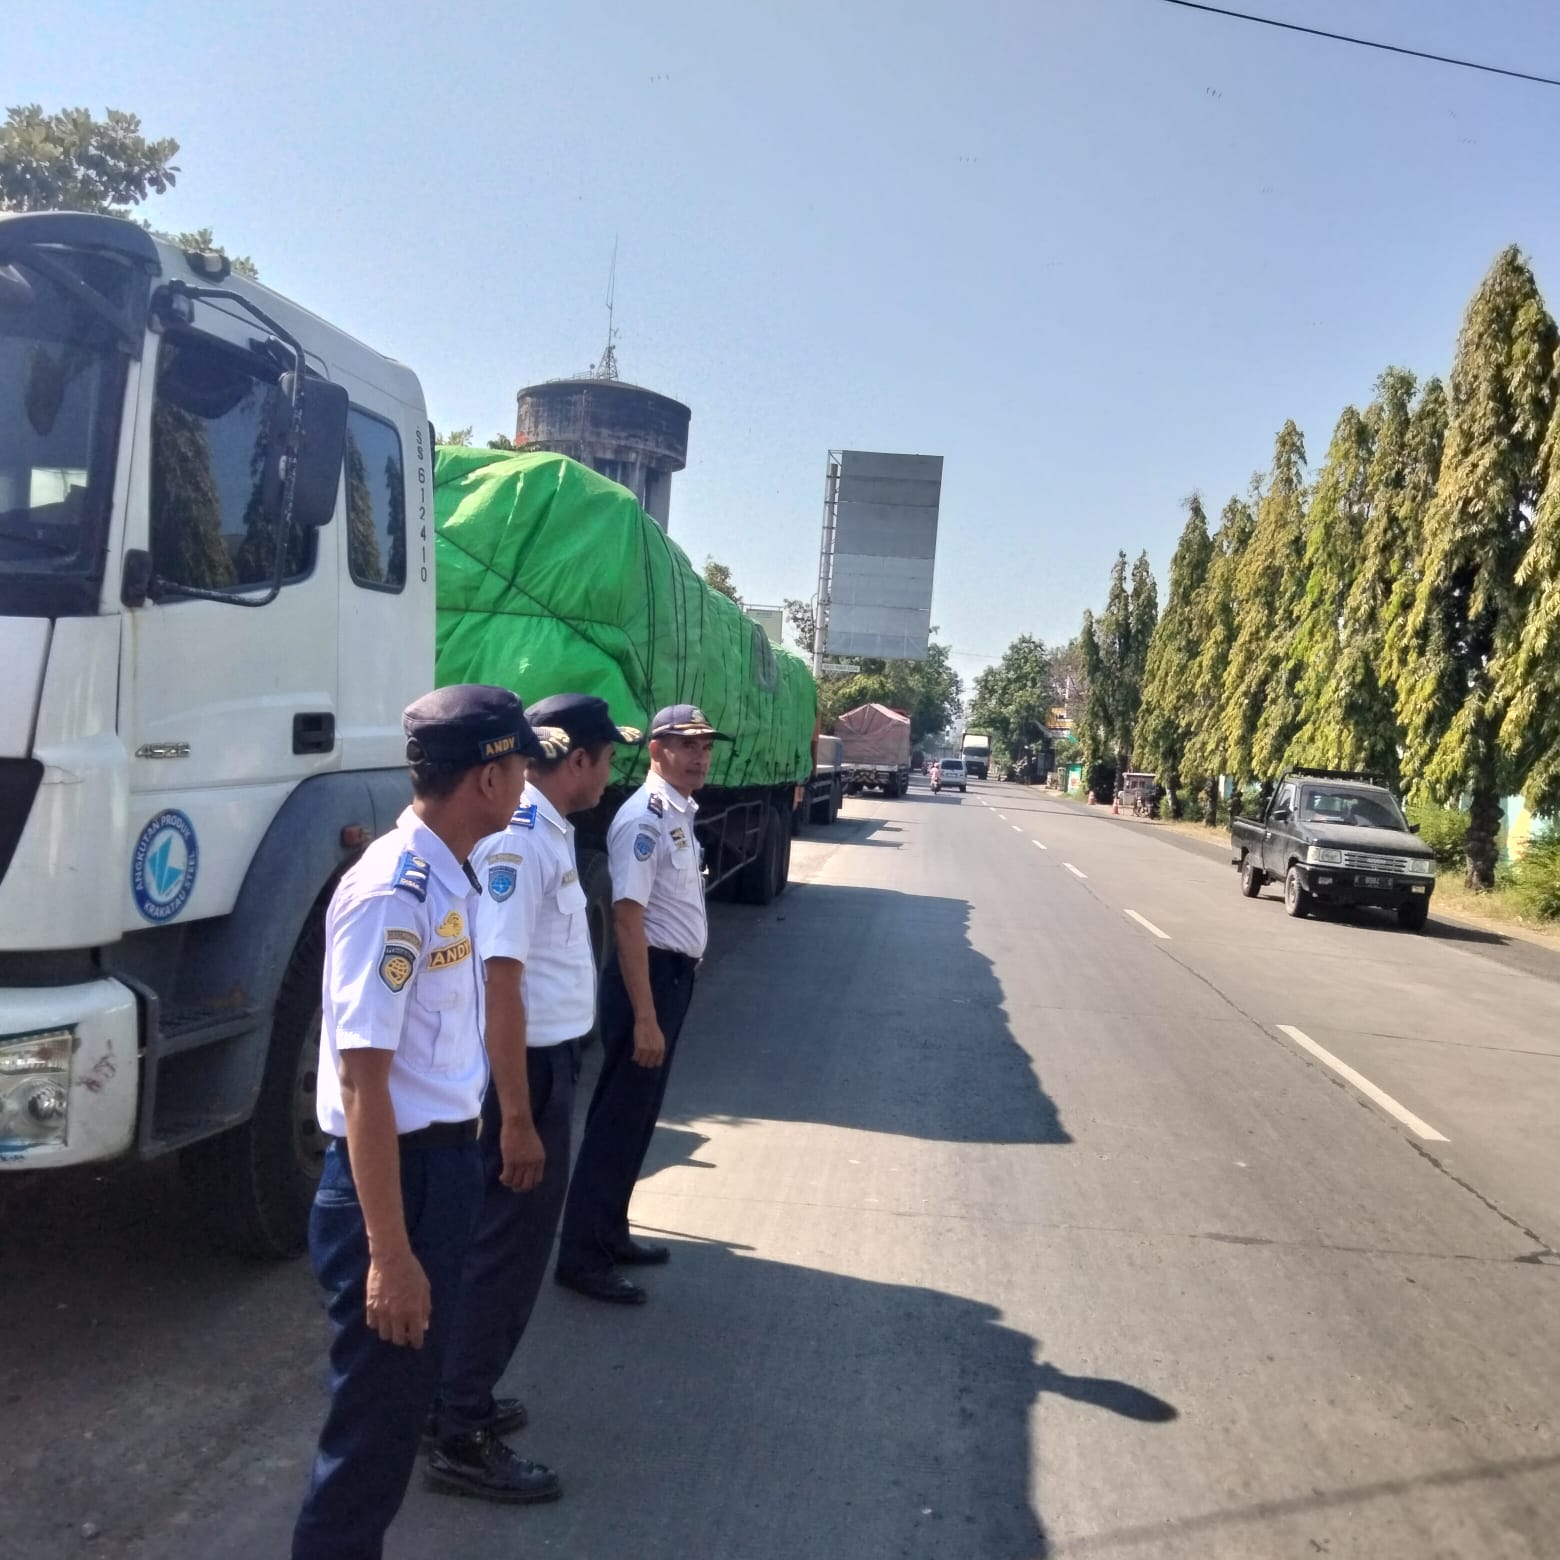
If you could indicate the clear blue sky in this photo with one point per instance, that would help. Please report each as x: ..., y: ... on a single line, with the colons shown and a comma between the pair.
x: 1093, y: 252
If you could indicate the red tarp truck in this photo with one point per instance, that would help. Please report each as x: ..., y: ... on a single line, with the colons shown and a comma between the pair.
x: 875, y: 747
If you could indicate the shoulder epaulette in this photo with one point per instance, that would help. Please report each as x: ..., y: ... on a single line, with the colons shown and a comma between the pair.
x: 411, y: 873
x: 524, y: 818
x: 656, y: 803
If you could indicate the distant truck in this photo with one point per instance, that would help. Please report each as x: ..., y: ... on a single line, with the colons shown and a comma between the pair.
x: 1335, y: 837
x: 875, y: 748
x: 976, y: 752
x: 824, y: 793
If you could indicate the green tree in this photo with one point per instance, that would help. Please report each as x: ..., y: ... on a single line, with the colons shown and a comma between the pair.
x: 1013, y: 699
x: 1336, y: 728
x: 1115, y: 653
x: 718, y: 577
x: 456, y: 438
x: 1167, y: 717
x: 1214, y: 630
x: 501, y: 441
x: 929, y: 691
x: 1465, y: 627
x: 1260, y: 702
x: 804, y: 623
x: 70, y: 161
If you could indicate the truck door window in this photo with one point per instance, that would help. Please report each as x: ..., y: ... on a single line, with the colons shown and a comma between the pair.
x: 1284, y: 801
x: 376, y: 503
x: 211, y: 526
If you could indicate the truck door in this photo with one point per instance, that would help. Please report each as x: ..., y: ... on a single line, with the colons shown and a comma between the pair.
x: 223, y: 707
x: 1277, y: 827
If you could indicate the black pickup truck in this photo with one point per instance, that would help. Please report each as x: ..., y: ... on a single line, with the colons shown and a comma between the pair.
x: 1335, y: 838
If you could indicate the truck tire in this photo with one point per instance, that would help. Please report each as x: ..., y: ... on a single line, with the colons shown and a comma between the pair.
x: 783, y: 867
x: 1413, y: 916
x: 1296, y: 901
x: 836, y: 801
x: 1252, y: 878
x: 255, y: 1183
x: 756, y: 881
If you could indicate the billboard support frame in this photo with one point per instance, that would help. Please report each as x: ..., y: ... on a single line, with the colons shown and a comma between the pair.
x: 831, y: 526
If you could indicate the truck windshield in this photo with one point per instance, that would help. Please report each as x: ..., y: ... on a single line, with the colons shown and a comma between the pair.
x: 62, y: 375
x: 1355, y: 809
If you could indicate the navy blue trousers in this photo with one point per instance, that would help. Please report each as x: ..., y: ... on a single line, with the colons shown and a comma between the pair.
x: 622, y: 1116
x: 380, y: 1392
x: 510, y: 1250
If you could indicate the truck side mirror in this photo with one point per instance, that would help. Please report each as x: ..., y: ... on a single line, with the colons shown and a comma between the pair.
x: 1413, y: 828
x: 321, y: 448
x: 1279, y: 815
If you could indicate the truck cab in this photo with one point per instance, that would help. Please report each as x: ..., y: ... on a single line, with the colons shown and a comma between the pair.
x: 216, y: 597
x: 1335, y: 837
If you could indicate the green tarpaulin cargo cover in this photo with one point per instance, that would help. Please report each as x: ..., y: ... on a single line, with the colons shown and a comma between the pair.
x: 552, y: 579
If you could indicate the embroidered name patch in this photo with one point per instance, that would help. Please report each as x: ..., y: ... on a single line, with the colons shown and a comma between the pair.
x: 456, y: 953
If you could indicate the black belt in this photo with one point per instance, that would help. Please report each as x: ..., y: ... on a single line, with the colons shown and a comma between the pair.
x: 683, y: 960
x: 437, y: 1134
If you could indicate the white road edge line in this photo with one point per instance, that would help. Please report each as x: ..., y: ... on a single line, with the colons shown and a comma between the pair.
x: 1015, y: 828
x: 1364, y: 1085
x: 1037, y: 845
x: 1075, y: 872
x: 1148, y: 926
x: 1002, y: 816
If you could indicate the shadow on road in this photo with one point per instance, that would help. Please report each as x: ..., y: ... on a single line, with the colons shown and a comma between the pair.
x: 886, y: 1019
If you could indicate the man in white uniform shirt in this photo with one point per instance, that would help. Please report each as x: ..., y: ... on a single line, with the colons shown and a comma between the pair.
x: 661, y: 926
x: 401, y: 1079
x: 541, y: 1001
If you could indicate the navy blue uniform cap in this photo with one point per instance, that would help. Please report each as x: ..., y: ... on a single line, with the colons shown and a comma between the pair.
x: 566, y: 721
x: 685, y: 720
x: 466, y: 725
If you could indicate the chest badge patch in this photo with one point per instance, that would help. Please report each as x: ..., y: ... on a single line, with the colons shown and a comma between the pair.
x: 396, y: 964
x: 451, y: 926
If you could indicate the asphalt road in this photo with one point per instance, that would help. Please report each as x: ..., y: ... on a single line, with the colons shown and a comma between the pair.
x: 1006, y: 1223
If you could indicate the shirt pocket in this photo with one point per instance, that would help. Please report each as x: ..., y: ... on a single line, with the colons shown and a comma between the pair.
x: 443, y: 1020
x: 571, y: 903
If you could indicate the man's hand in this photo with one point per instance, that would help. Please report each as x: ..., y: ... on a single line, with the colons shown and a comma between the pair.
x: 524, y: 1156
x: 399, y: 1300
x: 649, y: 1043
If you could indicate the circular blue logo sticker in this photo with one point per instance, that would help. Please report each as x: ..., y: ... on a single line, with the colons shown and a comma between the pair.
x: 162, y: 871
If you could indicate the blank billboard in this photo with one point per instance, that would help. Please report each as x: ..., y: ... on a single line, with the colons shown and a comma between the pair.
x: 884, y: 545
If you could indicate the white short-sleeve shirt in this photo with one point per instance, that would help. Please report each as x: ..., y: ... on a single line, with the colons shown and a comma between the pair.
x: 533, y: 911
x: 656, y: 861
x: 402, y: 975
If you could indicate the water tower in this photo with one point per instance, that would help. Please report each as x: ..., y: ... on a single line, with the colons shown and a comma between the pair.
x: 634, y: 436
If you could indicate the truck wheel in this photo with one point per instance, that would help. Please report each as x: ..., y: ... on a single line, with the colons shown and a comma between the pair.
x: 836, y: 801
x: 783, y: 866
x: 1296, y: 901
x: 1251, y: 878
x: 1412, y: 916
x: 255, y: 1184
x: 756, y: 881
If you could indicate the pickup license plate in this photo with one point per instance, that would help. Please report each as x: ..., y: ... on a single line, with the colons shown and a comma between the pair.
x: 1374, y: 882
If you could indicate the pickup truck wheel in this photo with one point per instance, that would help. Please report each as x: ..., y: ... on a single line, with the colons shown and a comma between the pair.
x: 1296, y: 901
x: 1412, y: 916
x: 1251, y: 878
x: 255, y: 1184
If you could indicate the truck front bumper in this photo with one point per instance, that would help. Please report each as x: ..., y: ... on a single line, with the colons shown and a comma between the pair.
x: 1381, y: 890
x: 69, y: 1073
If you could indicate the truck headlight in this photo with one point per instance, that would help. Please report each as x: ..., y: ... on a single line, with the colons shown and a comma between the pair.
x: 1323, y: 856
x: 34, y: 1089
x: 1421, y: 868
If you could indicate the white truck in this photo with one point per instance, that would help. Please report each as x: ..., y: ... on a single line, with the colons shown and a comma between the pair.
x: 200, y: 728
x: 975, y: 750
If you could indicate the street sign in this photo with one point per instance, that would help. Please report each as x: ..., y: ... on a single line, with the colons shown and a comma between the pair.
x: 840, y: 668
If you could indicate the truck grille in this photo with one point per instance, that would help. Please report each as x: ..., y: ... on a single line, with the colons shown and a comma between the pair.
x: 1365, y: 861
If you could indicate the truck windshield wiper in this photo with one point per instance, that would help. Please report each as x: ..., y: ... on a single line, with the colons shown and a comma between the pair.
x: 45, y: 544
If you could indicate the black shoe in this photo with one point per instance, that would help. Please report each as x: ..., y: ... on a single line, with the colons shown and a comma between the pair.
x: 601, y: 1286
x: 480, y: 1464
x: 636, y: 1253
x: 508, y: 1415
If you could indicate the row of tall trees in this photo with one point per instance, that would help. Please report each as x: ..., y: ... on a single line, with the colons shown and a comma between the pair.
x: 1398, y: 611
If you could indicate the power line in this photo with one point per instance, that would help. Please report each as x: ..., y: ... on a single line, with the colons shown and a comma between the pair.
x: 1365, y: 43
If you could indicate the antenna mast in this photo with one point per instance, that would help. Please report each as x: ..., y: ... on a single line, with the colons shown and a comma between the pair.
x: 608, y: 367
